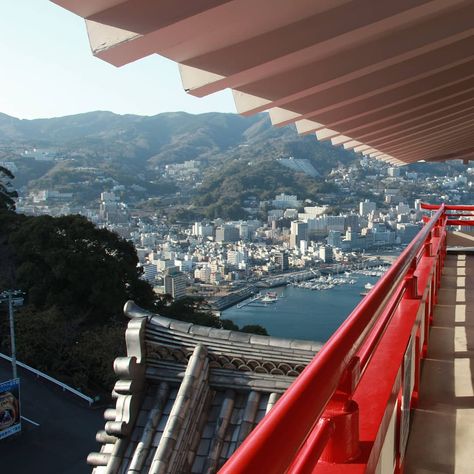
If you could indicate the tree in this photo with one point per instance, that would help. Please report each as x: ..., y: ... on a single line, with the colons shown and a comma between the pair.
x: 255, y: 329
x: 69, y: 263
x: 7, y: 193
x: 77, y: 278
x: 229, y: 324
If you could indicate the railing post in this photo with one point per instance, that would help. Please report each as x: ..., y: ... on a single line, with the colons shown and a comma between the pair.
x: 411, y: 281
x: 428, y: 246
x: 343, y: 413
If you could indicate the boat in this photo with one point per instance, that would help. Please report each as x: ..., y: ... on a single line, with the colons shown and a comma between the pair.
x: 269, y: 297
x: 368, y: 286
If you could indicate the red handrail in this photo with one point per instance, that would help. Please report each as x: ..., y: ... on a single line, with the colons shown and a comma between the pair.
x: 447, y: 207
x: 267, y: 449
x: 460, y: 222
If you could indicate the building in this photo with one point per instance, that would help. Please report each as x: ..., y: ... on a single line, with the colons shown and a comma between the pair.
x: 407, y: 232
x: 393, y: 172
x: 208, y: 387
x: 227, y: 233
x: 202, y: 230
x: 203, y: 274
x: 244, y: 231
x: 351, y: 221
x: 379, y: 81
x: 298, y: 233
x: 325, y: 253
x: 175, y: 283
x: 367, y: 207
x: 290, y: 214
x: 149, y: 272
x: 281, y: 260
x: 108, y: 197
x: 334, y: 238
x: 285, y: 201
x: 236, y: 257
x: 402, y: 208
x: 322, y: 225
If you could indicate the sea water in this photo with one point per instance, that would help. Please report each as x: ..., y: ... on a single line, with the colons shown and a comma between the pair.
x: 302, y: 313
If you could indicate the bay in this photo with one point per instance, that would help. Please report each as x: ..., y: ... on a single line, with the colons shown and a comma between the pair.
x: 301, y: 313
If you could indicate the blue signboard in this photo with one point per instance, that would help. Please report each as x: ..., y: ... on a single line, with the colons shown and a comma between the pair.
x: 10, y: 419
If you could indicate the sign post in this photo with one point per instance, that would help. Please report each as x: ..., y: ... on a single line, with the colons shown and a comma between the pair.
x: 10, y: 419
x: 12, y: 334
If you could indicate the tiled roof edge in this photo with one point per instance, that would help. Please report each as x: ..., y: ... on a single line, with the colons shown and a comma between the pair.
x: 132, y: 310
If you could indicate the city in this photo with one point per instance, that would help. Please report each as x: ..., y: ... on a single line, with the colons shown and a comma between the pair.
x: 237, y: 237
x: 227, y: 261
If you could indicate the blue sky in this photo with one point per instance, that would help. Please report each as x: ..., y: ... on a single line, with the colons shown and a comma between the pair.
x: 47, y: 70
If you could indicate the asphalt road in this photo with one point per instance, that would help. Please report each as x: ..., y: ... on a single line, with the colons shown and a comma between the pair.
x: 64, y: 437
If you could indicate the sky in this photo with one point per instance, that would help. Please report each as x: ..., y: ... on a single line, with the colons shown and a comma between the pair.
x: 48, y: 70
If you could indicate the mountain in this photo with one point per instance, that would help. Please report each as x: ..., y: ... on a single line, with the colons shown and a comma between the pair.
x: 149, y: 134
x: 94, y: 147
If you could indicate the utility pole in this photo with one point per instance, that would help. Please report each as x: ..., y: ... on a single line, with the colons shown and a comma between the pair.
x: 12, y: 333
x: 11, y: 298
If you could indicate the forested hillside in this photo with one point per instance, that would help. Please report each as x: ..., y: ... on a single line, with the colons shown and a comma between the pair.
x: 87, y: 151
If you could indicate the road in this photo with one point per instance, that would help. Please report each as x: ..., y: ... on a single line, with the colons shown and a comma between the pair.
x: 64, y: 437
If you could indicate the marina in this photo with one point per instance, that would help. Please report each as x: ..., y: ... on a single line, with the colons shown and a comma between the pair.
x: 302, y: 313
x: 260, y: 299
x: 328, y: 282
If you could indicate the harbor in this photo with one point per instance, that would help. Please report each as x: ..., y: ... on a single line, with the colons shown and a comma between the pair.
x: 304, y: 313
x: 270, y: 297
x: 322, y: 278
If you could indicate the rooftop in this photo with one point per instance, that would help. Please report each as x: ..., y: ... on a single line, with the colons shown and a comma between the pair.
x: 188, y: 395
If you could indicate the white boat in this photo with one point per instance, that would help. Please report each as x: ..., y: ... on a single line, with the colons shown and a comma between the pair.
x: 269, y: 297
x: 368, y: 286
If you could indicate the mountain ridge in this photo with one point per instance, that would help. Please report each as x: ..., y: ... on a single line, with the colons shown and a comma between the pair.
x: 132, y: 149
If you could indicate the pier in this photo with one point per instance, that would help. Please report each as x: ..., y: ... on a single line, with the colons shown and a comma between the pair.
x: 250, y: 300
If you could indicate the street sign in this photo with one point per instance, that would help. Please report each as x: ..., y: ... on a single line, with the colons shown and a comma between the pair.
x: 10, y: 419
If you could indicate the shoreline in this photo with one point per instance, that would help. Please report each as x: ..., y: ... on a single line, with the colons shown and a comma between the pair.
x: 232, y: 299
x: 303, y: 313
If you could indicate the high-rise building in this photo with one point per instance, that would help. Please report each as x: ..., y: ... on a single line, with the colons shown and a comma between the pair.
x: 149, y: 272
x: 244, y: 231
x: 175, y: 283
x: 298, y: 232
x: 334, y: 238
x: 325, y: 253
x: 281, y: 260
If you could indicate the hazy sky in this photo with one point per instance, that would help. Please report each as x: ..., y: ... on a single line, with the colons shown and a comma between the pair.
x: 47, y: 70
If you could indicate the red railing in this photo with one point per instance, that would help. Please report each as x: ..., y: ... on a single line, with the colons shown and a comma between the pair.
x: 453, y: 218
x: 317, y: 417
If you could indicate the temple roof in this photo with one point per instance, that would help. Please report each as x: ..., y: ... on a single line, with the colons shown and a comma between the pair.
x: 392, y: 80
x: 188, y: 395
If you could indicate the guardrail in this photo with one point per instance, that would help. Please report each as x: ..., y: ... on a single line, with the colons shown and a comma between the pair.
x: 38, y: 373
x: 463, y: 217
x: 317, y: 416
